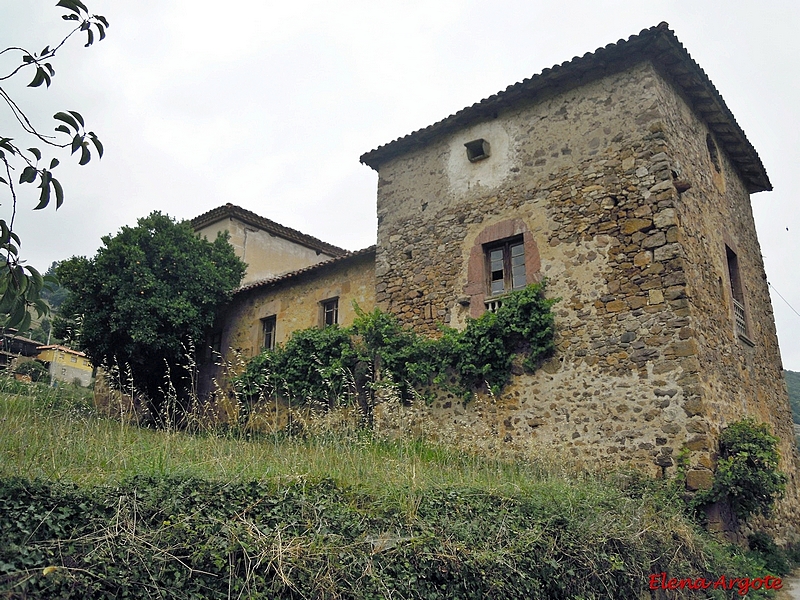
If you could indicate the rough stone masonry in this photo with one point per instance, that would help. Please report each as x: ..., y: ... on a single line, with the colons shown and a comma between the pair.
x: 627, y: 180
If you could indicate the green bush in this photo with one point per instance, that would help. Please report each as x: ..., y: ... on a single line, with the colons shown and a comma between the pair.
x: 747, y: 473
x: 323, y: 365
x: 776, y: 560
x: 34, y: 369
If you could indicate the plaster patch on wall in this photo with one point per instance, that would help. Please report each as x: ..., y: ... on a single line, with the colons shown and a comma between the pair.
x: 464, y: 175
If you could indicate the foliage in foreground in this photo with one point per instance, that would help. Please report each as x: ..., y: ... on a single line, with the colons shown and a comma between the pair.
x: 137, y: 513
x: 193, y: 538
x: 330, y: 363
x: 21, y: 286
x: 149, y: 291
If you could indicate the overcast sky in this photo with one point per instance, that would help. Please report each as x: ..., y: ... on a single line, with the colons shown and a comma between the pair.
x: 268, y: 105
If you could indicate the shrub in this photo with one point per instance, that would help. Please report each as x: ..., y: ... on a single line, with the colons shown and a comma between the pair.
x: 747, y: 473
x: 34, y: 369
x: 324, y: 364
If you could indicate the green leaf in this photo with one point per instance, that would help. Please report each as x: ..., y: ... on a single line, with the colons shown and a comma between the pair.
x: 102, y: 19
x: 70, y: 17
x: 54, y: 163
x: 76, y: 143
x: 36, y: 153
x: 101, y: 31
x: 38, y: 79
x: 41, y: 307
x: 50, y: 68
x: 86, y: 156
x: 28, y: 175
x: 17, y: 314
x: 89, y: 37
x: 44, y: 51
x: 64, y: 128
x: 25, y: 324
x: 96, y: 143
x: 62, y: 116
x: 3, y: 181
x: 69, y: 5
x: 44, y: 197
x: 77, y: 116
x: 38, y: 280
x: 59, y: 193
x: 81, y: 5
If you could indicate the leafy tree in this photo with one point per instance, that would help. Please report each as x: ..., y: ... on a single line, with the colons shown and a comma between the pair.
x: 149, y: 293
x: 21, y: 286
x: 55, y: 293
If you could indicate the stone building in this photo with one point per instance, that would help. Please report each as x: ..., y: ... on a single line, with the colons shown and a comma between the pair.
x: 623, y: 178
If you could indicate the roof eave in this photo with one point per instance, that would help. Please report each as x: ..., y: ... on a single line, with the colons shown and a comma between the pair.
x: 658, y: 45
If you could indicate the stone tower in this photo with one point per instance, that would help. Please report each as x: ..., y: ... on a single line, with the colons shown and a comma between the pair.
x: 623, y: 178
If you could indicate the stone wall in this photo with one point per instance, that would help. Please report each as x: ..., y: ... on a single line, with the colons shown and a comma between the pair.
x: 599, y: 177
x: 736, y: 376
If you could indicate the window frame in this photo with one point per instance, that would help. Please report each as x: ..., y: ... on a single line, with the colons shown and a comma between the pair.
x: 329, y: 306
x: 511, y: 248
x: 269, y: 329
x: 741, y: 321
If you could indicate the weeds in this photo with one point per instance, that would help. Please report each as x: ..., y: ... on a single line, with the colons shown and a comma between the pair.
x: 92, y: 507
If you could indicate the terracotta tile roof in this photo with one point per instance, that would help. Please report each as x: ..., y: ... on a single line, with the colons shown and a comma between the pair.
x: 317, y: 267
x: 251, y: 218
x: 62, y: 349
x: 657, y: 44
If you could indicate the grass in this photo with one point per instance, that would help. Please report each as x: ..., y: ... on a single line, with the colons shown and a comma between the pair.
x: 54, y: 435
x: 131, y: 512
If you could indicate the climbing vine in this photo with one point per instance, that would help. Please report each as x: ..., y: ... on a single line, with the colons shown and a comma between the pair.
x: 324, y: 365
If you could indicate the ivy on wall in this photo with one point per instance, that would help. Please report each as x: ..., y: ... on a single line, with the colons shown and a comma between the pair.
x: 325, y: 365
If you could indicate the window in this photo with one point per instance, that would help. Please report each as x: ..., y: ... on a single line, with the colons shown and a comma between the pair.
x: 330, y: 312
x: 477, y: 150
x: 739, y: 314
x: 506, y: 266
x: 713, y: 153
x: 214, y: 347
x: 268, y: 326
x: 73, y: 359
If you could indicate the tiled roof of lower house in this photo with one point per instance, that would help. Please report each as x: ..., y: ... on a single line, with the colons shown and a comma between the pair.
x: 231, y: 210
x: 657, y: 44
x: 306, y: 270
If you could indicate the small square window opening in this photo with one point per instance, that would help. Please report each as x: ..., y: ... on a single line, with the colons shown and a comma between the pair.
x: 478, y: 150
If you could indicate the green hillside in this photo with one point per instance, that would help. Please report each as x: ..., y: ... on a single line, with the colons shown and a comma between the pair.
x: 92, y: 508
x: 793, y: 385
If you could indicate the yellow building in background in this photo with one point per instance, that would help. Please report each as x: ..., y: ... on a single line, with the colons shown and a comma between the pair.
x: 65, y: 364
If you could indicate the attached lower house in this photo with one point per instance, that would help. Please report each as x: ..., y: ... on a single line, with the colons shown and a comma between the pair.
x: 621, y: 177
x: 66, y: 365
x: 265, y: 312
